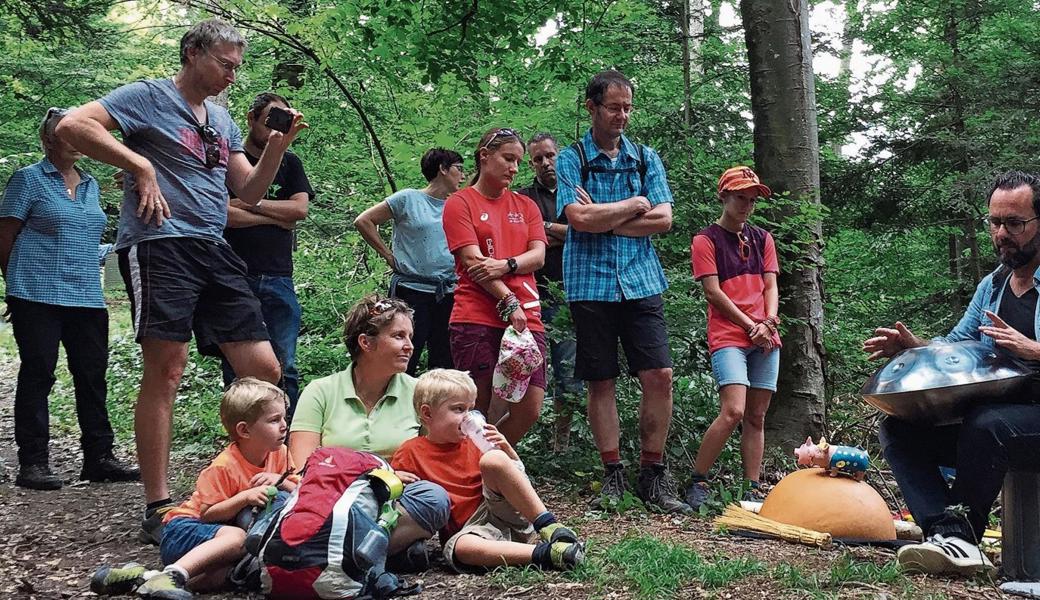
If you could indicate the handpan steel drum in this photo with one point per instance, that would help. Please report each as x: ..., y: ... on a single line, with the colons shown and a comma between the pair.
x: 938, y: 383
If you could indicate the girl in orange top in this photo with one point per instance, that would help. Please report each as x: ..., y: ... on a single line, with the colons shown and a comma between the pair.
x: 736, y: 263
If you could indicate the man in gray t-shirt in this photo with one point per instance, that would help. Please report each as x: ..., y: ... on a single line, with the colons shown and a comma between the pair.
x: 180, y: 153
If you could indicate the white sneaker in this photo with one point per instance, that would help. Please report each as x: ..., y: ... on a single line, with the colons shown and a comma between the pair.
x: 940, y: 555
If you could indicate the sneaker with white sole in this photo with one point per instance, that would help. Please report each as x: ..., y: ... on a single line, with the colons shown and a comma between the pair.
x: 945, y: 555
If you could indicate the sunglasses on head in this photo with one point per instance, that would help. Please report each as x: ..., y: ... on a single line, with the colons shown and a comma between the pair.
x: 380, y: 307
x: 501, y: 133
x: 211, y: 144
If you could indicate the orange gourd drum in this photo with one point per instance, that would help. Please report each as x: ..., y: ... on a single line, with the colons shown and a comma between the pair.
x: 840, y: 506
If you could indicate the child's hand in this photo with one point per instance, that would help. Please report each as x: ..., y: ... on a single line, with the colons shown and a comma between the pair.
x: 493, y: 435
x: 264, y: 479
x: 406, y: 477
x: 256, y: 496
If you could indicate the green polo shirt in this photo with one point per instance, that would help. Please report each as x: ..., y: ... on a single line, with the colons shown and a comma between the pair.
x: 330, y: 406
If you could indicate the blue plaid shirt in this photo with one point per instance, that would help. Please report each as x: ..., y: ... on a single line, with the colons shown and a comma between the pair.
x: 602, y: 266
x: 55, y: 256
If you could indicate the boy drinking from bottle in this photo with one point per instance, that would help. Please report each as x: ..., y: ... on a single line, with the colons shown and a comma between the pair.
x: 199, y: 543
x: 496, y: 516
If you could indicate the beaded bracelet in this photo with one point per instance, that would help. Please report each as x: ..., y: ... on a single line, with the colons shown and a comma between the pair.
x: 507, y: 306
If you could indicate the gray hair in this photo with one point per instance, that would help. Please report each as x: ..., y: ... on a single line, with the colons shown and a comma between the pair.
x: 50, y: 123
x: 541, y: 137
x: 206, y: 34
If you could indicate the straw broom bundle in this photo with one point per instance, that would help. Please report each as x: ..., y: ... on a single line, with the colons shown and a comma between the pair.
x: 736, y: 517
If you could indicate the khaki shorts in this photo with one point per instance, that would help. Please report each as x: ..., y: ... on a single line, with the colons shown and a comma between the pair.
x: 495, y: 520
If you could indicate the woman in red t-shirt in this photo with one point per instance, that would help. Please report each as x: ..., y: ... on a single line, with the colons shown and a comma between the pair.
x: 498, y: 240
x: 736, y: 263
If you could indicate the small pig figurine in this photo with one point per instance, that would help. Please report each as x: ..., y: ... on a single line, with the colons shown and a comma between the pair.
x: 844, y: 460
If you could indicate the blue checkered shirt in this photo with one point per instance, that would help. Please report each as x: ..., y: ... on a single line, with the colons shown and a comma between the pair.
x: 602, y: 266
x: 55, y: 256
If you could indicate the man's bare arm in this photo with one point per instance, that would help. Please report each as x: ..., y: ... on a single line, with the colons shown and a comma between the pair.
x: 656, y: 220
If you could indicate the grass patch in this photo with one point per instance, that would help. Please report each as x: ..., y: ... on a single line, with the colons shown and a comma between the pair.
x: 845, y: 573
x: 658, y: 569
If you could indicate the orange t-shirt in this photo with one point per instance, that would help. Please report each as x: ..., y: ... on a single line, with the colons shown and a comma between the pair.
x: 716, y: 251
x: 502, y: 228
x: 455, y: 467
x: 227, y: 475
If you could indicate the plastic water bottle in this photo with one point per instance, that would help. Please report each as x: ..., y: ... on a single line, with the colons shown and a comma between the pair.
x: 372, y: 550
x: 473, y: 427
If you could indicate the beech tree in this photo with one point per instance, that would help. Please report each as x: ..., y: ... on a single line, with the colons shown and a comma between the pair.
x: 783, y: 102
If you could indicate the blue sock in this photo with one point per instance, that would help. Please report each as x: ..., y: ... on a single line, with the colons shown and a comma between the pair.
x: 544, y: 520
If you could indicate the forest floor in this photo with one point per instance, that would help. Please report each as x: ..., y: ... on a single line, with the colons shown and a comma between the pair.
x: 51, y: 542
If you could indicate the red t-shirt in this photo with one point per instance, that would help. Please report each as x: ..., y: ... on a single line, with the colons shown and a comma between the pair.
x: 455, y: 467
x: 501, y: 228
x: 716, y: 251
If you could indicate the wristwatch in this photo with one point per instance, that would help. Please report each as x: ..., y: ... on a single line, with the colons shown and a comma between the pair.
x: 256, y: 206
x: 547, y: 225
x: 511, y: 263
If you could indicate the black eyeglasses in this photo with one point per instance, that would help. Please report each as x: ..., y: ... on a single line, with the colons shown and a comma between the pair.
x: 504, y: 132
x: 211, y: 144
x: 1014, y: 226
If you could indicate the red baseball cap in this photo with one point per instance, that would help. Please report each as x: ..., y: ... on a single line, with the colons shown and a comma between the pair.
x: 742, y: 178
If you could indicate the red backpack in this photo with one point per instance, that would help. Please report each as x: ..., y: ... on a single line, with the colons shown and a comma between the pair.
x: 308, y: 549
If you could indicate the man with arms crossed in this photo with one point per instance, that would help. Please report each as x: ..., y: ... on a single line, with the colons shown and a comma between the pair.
x: 614, y: 283
x: 180, y: 151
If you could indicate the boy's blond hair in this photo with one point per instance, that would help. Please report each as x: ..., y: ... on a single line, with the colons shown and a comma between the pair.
x: 437, y: 386
x: 245, y: 399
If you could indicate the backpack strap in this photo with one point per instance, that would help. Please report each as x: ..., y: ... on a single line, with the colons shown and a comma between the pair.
x: 641, y: 166
x: 583, y: 163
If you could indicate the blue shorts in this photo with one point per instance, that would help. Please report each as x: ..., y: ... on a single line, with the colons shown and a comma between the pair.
x: 182, y: 535
x: 749, y: 367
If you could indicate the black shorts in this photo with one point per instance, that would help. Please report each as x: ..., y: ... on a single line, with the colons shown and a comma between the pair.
x: 178, y: 285
x: 640, y: 326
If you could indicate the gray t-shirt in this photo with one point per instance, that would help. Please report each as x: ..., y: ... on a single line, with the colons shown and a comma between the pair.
x: 419, y: 245
x: 157, y: 123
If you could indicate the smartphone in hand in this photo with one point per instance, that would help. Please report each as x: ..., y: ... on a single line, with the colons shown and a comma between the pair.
x: 279, y: 119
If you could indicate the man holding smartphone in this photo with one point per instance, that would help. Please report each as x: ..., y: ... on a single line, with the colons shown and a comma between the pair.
x: 262, y: 235
x: 181, y: 152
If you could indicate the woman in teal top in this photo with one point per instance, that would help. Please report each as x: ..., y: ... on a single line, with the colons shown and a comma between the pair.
x: 50, y: 227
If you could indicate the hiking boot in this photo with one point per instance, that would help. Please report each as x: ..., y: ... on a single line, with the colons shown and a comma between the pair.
x: 698, y: 493
x: 614, y: 486
x: 566, y: 556
x: 165, y: 586
x: 37, y: 477
x: 657, y: 490
x: 940, y: 555
x: 152, y: 524
x: 557, y: 533
x: 108, y: 469
x: 754, y: 493
x: 413, y: 559
x: 117, y: 581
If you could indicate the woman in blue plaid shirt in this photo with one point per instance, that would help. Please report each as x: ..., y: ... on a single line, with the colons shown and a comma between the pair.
x: 50, y: 226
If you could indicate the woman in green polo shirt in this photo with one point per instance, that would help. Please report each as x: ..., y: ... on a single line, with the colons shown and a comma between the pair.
x: 367, y: 406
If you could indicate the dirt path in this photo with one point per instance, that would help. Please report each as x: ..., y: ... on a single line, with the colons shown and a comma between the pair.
x: 50, y: 543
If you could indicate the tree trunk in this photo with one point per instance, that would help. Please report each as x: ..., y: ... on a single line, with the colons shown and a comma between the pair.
x: 692, y: 22
x: 845, y: 68
x: 783, y: 102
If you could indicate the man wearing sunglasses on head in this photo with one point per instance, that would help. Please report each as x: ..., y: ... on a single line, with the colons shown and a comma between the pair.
x: 993, y: 438
x: 181, y: 152
x: 615, y: 195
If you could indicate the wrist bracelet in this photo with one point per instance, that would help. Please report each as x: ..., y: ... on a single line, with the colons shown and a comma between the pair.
x: 507, y: 306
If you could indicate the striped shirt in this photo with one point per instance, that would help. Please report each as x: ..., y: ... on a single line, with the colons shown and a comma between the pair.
x: 55, y: 256
x: 602, y: 266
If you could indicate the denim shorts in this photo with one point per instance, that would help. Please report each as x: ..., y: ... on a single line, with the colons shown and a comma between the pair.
x: 749, y: 367
x: 181, y: 535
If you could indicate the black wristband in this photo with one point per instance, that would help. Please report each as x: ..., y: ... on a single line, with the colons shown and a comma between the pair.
x: 511, y: 263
